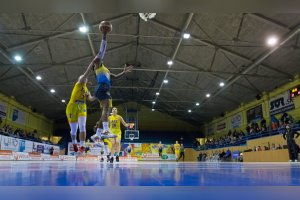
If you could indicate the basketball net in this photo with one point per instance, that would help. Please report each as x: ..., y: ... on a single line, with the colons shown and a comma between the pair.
x: 131, y: 137
x: 146, y: 16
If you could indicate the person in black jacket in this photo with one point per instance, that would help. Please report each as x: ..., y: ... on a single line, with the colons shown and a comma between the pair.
x: 289, y: 136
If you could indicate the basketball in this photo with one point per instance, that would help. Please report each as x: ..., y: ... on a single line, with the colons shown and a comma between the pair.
x: 105, y: 27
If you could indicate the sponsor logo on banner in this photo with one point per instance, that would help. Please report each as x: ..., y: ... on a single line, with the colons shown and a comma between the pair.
x: 6, y: 155
x: 168, y: 157
x: 35, y: 156
x: 18, y: 116
x: 3, y: 107
x: 67, y: 158
x: 236, y: 121
x: 150, y: 155
x: 49, y: 157
x: 128, y: 159
x: 9, y: 143
x: 38, y: 147
x: 25, y: 146
x: 281, y: 103
x: 21, y: 156
x: 88, y: 158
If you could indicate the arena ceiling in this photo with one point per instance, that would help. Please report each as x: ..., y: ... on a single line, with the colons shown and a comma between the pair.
x: 229, y: 48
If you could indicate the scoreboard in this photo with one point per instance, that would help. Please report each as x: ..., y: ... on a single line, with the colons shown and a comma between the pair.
x: 295, y: 91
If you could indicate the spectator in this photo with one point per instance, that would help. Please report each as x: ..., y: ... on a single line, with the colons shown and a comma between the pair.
x: 279, y: 147
x: 227, y: 155
x: 259, y: 148
x: 51, y: 150
x: 222, y: 154
x: 273, y: 147
x: 263, y: 124
x: 248, y: 128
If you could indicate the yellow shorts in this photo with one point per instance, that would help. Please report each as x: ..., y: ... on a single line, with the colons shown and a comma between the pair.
x: 74, y: 110
x: 108, y: 143
x: 118, y: 134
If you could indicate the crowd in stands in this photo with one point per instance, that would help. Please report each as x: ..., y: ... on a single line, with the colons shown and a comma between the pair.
x: 253, y: 130
x: 7, y: 130
x: 215, y: 156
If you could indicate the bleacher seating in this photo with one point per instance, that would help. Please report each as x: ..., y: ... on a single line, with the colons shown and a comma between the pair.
x: 244, y: 139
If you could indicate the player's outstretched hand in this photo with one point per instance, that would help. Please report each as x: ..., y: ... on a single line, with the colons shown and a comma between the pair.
x: 128, y: 68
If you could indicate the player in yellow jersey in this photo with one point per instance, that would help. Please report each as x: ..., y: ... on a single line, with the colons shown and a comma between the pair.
x: 114, y: 124
x: 76, y: 110
x: 103, y: 89
x: 177, y: 150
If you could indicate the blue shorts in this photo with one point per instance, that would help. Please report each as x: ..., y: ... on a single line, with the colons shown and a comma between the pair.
x: 103, y: 91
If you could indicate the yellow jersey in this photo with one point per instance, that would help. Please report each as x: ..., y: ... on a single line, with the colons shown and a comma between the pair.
x: 79, y: 93
x: 177, y: 147
x: 114, y: 124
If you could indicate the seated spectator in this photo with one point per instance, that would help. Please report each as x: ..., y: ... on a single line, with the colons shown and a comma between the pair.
x: 259, y: 148
x: 279, y: 147
x: 248, y: 128
x: 263, y: 124
x: 254, y: 148
x: 227, y: 154
x: 222, y: 154
x: 273, y: 147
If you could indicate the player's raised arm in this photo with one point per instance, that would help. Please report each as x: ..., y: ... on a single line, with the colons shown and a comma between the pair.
x: 127, y: 69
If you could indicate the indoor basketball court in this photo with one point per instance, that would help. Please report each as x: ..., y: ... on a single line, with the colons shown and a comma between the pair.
x: 134, y: 102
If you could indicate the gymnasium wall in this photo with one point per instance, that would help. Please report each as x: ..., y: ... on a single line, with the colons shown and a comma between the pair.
x: 218, y: 123
x: 19, y: 116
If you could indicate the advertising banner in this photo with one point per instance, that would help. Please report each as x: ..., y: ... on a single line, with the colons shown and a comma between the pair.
x: 21, y: 156
x: 25, y: 145
x: 18, y: 116
x: 236, y: 120
x: 38, y: 147
x: 9, y: 143
x: 254, y: 114
x: 281, y: 103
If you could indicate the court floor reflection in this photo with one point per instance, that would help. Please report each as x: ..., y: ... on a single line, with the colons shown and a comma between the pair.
x: 53, y: 173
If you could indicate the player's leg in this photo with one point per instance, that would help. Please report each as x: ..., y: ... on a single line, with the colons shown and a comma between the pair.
x: 177, y: 154
x: 105, y: 114
x: 113, y: 148
x: 118, y: 147
x: 82, y: 131
x: 71, y: 113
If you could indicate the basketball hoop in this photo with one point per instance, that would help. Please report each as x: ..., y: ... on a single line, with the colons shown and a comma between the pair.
x: 146, y: 16
x: 131, y: 137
